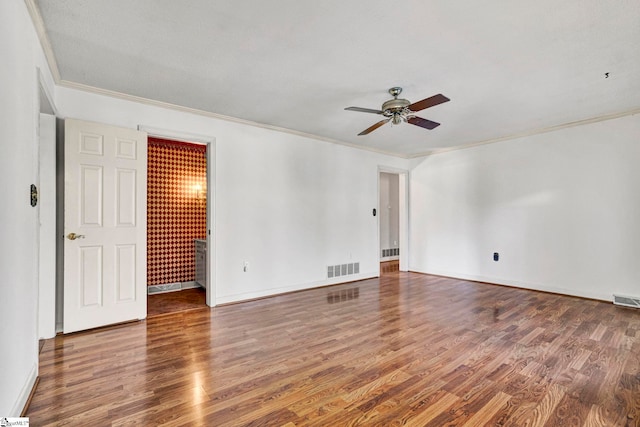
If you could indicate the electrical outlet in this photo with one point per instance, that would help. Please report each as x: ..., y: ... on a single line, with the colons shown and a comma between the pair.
x: 496, y: 256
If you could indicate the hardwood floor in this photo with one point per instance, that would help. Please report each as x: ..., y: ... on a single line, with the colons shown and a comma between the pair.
x: 172, y: 302
x: 389, y: 267
x: 405, y: 349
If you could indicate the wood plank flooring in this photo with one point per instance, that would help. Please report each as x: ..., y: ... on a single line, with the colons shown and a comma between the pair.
x: 405, y: 349
x: 172, y: 302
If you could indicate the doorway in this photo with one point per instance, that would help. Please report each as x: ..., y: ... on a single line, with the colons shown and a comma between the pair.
x: 392, y: 220
x: 126, y: 143
x: 176, y: 225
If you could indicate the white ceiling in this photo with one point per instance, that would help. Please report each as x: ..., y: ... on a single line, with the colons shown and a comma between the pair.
x: 509, y: 67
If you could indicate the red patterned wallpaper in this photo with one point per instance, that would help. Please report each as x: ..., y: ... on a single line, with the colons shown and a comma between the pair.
x: 176, y: 209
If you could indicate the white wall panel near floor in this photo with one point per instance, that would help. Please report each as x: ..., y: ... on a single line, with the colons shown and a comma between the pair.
x: 287, y: 205
x: 21, y: 57
x: 561, y: 208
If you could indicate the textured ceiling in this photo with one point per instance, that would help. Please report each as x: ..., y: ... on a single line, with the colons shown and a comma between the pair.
x: 509, y: 68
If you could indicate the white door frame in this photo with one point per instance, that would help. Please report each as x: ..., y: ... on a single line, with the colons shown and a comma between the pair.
x: 210, y: 141
x: 403, y: 214
x: 46, y: 242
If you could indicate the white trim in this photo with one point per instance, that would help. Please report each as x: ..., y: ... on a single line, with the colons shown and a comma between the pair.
x: 532, y: 132
x: 38, y: 24
x: 518, y: 284
x: 210, y: 141
x: 46, y: 219
x: 170, y: 106
x: 404, y: 182
x: 172, y: 287
x: 151, y: 102
x: 293, y: 288
x: 176, y: 135
x: 391, y: 169
x: 47, y: 92
x: 25, y: 392
x: 46, y: 226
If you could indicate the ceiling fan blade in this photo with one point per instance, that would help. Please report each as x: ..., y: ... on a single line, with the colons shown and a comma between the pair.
x: 423, y: 123
x: 374, y: 127
x: 363, y: 110
x: 428, y: 102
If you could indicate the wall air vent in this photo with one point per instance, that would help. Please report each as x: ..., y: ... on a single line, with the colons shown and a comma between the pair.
x: 343, y: 269
x: 626, y: 301
x: 390, y: 252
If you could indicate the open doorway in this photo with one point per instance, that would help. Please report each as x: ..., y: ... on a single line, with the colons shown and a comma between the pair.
x: 392, y: 222
x: 389, y: 249
x: 176, y: 226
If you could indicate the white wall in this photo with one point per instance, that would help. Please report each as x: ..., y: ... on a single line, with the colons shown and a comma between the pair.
x: 288, y: 205
x: 19, y: 113
x: 389, y: 212
x: 561, y: 208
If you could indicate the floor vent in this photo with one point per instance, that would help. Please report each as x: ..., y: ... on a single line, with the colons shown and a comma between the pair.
x: 343, y: 269
x: 626, y: 301
x: 390, y: 252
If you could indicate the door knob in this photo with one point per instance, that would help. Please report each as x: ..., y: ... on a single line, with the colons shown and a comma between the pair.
x: 74, y: 236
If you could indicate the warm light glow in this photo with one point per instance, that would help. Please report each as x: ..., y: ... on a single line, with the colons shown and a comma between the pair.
x: 199, y: 192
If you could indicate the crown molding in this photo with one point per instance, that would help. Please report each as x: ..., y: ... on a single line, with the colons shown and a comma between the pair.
x: 170, y: 106
x: 532, y: 132
x: 38, y: 24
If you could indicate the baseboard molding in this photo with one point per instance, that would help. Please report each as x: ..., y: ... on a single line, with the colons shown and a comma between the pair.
x: 171, y: 287
x: 191, y: 285
x: 518, y: 284
x: 31, y: 394
x: 25, y: 393
x: 248, y: 296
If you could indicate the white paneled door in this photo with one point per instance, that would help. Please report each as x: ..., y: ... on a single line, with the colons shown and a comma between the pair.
x: 105, y: 249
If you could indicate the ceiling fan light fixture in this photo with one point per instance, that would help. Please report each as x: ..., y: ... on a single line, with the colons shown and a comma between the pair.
x: 398, y: 110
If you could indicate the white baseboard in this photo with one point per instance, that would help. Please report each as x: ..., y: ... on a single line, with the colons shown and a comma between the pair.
x: 190, y: 285
x: 299, y: 287
x: 519, y: 284
x: 171, y: 287
x: 25, y: 392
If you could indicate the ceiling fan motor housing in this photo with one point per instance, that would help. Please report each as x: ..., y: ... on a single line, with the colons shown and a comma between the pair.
x: 394, y: 106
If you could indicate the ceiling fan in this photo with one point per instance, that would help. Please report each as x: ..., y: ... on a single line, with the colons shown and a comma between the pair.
x: 400, y: 110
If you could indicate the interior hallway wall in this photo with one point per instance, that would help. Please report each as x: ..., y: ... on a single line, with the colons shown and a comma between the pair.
x: 176, y: 209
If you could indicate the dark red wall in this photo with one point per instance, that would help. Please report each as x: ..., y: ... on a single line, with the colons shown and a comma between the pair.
x: 176, y: 210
